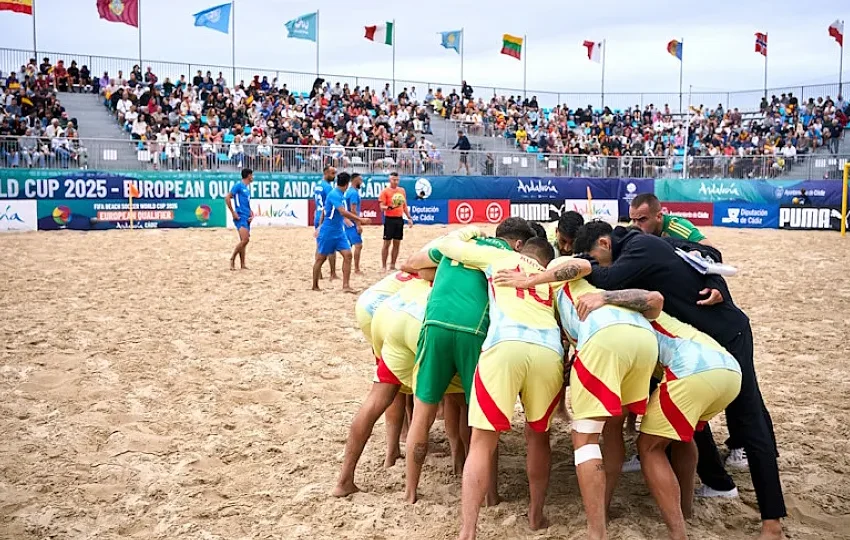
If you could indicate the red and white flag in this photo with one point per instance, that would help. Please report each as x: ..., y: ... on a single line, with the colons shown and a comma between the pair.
x: 761, y: 43
x: 836, y: 30
x: 594, y: 51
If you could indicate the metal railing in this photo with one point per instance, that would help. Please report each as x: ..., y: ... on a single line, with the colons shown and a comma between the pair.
x: 746, y: 100
x: 109, y: 154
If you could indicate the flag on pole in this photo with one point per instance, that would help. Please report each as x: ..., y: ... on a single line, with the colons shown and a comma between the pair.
x: 381, y: 33
x: 215, y: 18
x: 303, y: 27
x: 836, y: 30
x: 133, y: 191
x: 451, y: 40
x: 674, y: 47
x: 512, y: 46
x: 120, y: 11
x: 761, y: 43
x: 18, y: 6
x: 594, y: 51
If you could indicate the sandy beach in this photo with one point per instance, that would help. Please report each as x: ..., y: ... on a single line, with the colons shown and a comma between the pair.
x: 149, y: 392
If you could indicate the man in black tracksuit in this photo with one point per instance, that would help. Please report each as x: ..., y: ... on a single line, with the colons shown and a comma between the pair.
x: 627, y: 258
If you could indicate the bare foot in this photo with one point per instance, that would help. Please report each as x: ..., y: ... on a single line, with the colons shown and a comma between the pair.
x: 771, y: 530
x: 349, y: 290
x: 244, y: 268
x: 390, y: 460
x: 334, y: 277
x: 457, y: 465
x: 344, y: 490
x: 492, y: 499
x: 411, y: 498
x: 538, y: 522
x: 358, y: 272
x: 316, y: 288
x: 233, y: 265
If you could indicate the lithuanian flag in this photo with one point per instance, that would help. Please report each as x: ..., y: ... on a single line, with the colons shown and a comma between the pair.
x: 18, y: 6
x: 512, y: 46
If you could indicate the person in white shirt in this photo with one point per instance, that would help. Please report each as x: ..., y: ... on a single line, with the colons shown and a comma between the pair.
x: 412, y: 95
x: 53, y: 130
x: 140, y: 128
x: 123, y: 107
x: 789, y: 151
x: 237, y: 151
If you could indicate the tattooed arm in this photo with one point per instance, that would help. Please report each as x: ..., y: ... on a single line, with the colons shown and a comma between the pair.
x: 647, y: 303
x: 568, y: 271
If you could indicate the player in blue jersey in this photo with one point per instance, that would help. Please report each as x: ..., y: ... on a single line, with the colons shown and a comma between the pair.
x: 354, y: 230
x: 330, y: 234
x: 240, y: 195
x: 320, y: 194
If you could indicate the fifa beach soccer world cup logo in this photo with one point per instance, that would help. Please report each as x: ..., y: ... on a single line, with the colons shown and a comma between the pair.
x: 116, y: 7
x: 202, y: 212
x: 61, y: 215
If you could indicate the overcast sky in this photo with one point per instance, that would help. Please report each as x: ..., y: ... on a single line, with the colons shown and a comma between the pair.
x: 718, y: 40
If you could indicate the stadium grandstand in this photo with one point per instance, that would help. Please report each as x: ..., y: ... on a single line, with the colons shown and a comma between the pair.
x: 68, y: 111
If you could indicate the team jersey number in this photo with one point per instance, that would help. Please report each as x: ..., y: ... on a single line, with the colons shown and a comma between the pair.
x: 520, y: 293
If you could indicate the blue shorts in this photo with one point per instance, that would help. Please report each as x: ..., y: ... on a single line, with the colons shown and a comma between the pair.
x: 330, y: 243
x: 242, y: 223
x: 354, y: 237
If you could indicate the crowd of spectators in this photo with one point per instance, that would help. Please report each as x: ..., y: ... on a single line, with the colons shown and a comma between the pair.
x: 204, y: 123
x: 35, y: 130
x: 718, y: 141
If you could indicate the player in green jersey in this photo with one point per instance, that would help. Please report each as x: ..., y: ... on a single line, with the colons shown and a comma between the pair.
x: 645, y: 212
x: 456, y: 323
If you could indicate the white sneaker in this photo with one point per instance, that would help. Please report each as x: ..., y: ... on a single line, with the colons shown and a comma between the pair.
x: 707, y: 493
x: 632, y: 465
x: 738, y: 459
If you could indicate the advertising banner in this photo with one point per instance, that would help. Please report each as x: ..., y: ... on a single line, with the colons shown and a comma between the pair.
x: 820, y: 192
x: 699, y: 214
x: 277, y: 213
x: 368, y: 208
x: 746, y: 215
x: 114, y: 214
x: 429, y: 212
x: 819, y: 218
x: 543, y: 211
x: 465, y: 212
x: 628, y: 189
x: 597, y: 209
x: 18, y: 215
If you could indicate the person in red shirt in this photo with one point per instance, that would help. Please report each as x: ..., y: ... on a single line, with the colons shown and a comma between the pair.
x: 393, y: 200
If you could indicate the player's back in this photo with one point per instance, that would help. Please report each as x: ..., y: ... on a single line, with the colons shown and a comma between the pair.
x: 578, y: 331
x: 526, y: 315
x: 684, y: 350
x: 333, y: 218
x: 411, y: 298
x: 372, y: 297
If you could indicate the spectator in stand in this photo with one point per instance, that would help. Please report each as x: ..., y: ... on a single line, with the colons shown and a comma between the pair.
x: 60, y: 77
x: 150, y: 78
x: 466, y: 91
x: 464, y: 146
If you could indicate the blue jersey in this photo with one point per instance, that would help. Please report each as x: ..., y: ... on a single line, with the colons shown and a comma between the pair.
x: 241, y: 199
x: 352, y: 197
x: 333, y: 219
x: 320, y: 195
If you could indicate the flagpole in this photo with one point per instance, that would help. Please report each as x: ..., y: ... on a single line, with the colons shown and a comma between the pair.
x: 604, y: 48
x: 34, y: 39
x: 524, y: 64
x: 317, y: 43
x: 139, y: 20
x: 395, y: 33
x: 461, y: 54
x: 841, y: 63
x: 233, y: 43
x: 681, y: 71
x: 765, y: 68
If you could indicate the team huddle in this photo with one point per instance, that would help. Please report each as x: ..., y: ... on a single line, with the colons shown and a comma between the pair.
x: 484, y: 321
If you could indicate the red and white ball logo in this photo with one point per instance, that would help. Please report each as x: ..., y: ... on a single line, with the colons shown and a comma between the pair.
x: 464, y: 213
x: 494, y: 212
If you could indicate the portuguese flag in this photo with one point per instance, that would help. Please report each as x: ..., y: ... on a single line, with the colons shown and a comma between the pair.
x: 512, y: 46
x: 381, y: 33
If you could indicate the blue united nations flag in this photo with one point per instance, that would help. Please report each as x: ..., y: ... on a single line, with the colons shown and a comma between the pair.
x: 216, y: 18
